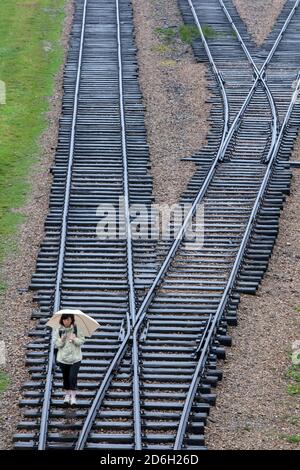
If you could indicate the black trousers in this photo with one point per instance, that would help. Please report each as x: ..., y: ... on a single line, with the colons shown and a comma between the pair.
x: 70, y: 372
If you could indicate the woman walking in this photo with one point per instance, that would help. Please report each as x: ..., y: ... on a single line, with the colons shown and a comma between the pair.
x: 68, y: 341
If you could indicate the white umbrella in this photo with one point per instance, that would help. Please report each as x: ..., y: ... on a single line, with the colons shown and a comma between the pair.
x: 86, y: 324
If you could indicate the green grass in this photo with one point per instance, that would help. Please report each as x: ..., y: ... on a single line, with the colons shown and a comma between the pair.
x: 293, y: 438
x: 293, y: 389
x: 2, y: 287
x: 4, y: 381
x: 292, y: 377
x: 168, y: 63
x: 30, y: 56
x: 188, y: 33
x: 166, y: 34
x: 294, y: 373
x: 161, y: 48
x: 185, y: 33
x: 209, y: 32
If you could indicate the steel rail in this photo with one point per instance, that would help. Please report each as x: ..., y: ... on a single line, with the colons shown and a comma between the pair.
x: 57, y: 299
x: 203, y: 189
x: 132, y: 310
x: 216, y: 72
x: 119, y: 354
x: 283, y: 29
x: 132, y: 301
x: 267, y: 61
x: 263, y: 68
x: 130, y: 273
x: 232, y: 279
x: 259, y: 75
x: 173, y: 249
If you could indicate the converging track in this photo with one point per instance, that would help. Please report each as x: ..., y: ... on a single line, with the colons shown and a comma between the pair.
x: 147, y: 376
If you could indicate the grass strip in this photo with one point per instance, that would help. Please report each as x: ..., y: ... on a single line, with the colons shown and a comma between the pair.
x: 30, y: 56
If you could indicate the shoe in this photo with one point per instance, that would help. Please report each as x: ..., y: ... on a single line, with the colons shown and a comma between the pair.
x: 67, y: 399
x: 73, y: 401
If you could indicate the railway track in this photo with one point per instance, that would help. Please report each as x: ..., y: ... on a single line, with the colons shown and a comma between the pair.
x: 102, y: 138
x: 147, y: 376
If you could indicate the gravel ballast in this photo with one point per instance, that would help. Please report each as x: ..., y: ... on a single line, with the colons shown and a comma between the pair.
x: 174, y: 92
x: 259, y: 16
